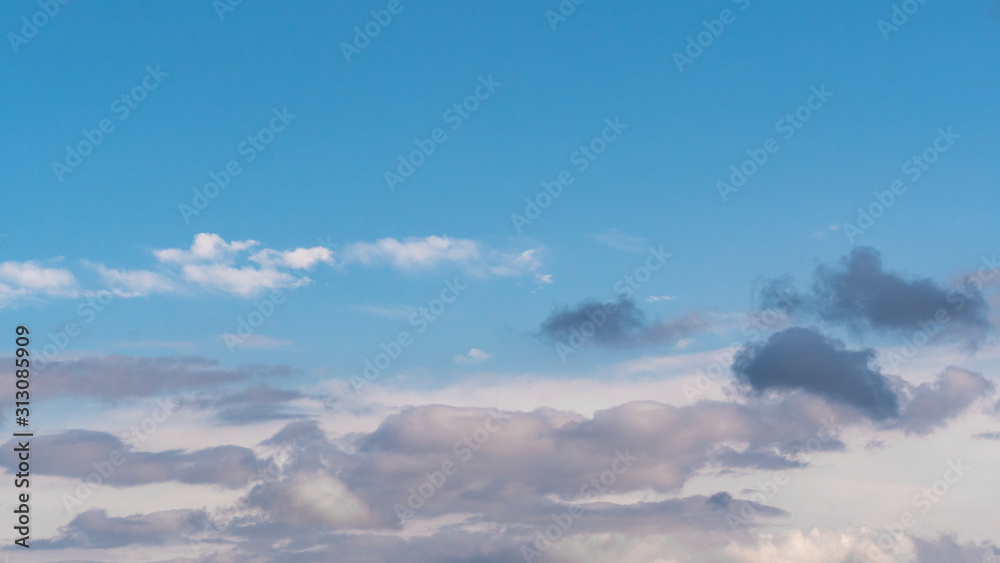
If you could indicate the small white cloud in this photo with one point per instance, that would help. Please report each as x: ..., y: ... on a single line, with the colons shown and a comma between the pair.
x: 474, y: 356
x: 683, y: 343
x: 207, y: 247
x: 133, y: 283
x: 543, y: 278
x: 658, y: 298
x: 245, y: 282
x: 413, y: 253
x: 299, y: 259
x: 34, y: 278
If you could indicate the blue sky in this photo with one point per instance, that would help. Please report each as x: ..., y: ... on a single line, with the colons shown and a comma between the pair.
x: 375, y: 255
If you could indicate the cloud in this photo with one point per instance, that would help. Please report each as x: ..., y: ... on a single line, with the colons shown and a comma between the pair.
x: 137, y: 283
x: 616, y: 325
x: 658, y: 298
x: 77, y: 453
x: 930, y: 406
x: 116, y: 377
x: 94, y: 529
x: 255, y: 404
x: 858, y: 293
x: 21, y: 280
x: 474, y: 356
x: 416, y: 254
x: 300, y: 258
x: 207, y: 247
x: 413, y: 253
x: 802, y: 358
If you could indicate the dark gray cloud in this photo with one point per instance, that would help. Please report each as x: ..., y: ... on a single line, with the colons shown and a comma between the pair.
x: 859, y: 293
x: 95, y: 530
x: 615, y: 324
x: 117, y: 377
x: 79, y: 453
x: 988, y: 436
x: 803, y: 358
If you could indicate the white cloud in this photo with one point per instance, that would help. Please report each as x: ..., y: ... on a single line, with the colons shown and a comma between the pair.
x: 658, y: 298
x: 207, y: 247
x: 414, y: 253
x: 136, y: 283
x: 245, y: 282
x: 300, y: 258
x: 474, y: 356
x: 34, y: 278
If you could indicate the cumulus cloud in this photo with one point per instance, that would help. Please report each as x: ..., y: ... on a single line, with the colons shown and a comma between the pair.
x: 802, y: 358
x: 860, y: 294
x: 616, y: 324
x: 473, y: 356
